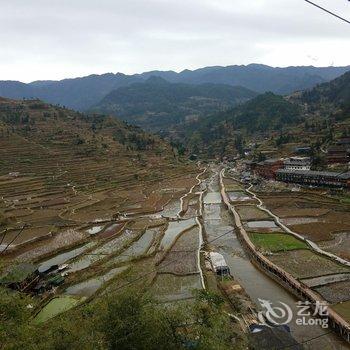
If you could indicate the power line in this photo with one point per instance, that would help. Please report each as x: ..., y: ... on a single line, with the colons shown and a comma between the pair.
x: 20, y: 231
x: 329, y: 12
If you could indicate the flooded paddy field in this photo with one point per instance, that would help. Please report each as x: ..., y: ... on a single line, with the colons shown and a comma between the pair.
x: 55, y: 307
x: 212, y: 198
x: 265, y: 225
x: 108, y: 248
x: 175, y: 228
x: 146, y: 244
x: 238, y: 196
x: 114, y: 238
x: 182, y: 259
x: 91, y: 286
x: 323, y: 280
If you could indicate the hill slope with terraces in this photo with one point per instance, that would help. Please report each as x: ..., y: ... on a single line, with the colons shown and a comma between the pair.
x: 60, y: 169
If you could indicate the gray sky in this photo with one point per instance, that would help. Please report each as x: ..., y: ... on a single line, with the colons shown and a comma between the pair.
x: 56, y: 39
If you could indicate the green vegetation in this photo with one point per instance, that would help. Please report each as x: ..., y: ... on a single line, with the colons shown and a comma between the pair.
x: 226, y: 133
x: 55, y: 307
x: 129, y: 320
x: 275, y: 242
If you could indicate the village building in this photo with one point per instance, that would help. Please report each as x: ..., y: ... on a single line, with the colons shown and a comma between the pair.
x: 297, y: 163
x: 268, y: 168
x: 303, y: 150
x: 339, y: 153
x: 315, y: 178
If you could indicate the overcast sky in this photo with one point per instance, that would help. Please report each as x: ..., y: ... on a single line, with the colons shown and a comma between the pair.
x: 56, y: 39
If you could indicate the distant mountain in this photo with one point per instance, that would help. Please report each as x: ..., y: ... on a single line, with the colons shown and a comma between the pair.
x: 257, y: 77
x: 217, y: 133
x: 78, y: 93
x: 336, y: 92
x: 157, y: 104
x: 83, y: 93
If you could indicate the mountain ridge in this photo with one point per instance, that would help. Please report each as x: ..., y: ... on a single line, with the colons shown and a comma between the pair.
x: 81, y: 93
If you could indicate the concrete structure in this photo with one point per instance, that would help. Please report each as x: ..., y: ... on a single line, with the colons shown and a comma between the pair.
x: 297, y: 163
x: 314, y: 178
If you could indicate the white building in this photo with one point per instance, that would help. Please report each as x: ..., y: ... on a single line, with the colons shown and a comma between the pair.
x: 297, y: 163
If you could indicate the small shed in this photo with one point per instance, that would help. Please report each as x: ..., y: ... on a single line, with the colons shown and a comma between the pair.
x: 219, y: 264
x: 20, y: 276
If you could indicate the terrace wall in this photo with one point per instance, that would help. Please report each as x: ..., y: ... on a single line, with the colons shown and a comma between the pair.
x: 339, y: 325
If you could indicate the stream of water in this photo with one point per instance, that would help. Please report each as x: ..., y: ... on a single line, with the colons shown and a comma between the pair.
x: 255, y: 282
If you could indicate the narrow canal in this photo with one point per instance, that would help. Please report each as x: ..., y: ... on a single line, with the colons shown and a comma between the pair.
x: 257, y: 284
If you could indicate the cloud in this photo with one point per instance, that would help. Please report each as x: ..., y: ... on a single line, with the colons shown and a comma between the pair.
x: 54, y: 39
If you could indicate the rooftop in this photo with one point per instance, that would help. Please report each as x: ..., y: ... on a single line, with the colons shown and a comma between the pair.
x: 344, y: 176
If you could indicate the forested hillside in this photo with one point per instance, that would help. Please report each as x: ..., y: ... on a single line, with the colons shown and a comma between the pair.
x: 157, y: 104
x: 223, y: 132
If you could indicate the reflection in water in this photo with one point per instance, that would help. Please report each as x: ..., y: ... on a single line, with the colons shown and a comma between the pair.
x: 90, y: 287
x: 104, y: 250
x: 173, y: 230
x: 63, y: 257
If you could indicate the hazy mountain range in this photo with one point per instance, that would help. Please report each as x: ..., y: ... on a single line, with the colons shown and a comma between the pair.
x: 85, y: 92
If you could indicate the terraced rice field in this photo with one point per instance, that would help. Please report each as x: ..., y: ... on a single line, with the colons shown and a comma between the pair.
x: 251, y: 212
x: 319, y: 218
x: 343, y: 309
x: 169, y: 287
x: 304, y: 264
x: 276, y: 242
x: 55, y: 307
x: 335, y: 292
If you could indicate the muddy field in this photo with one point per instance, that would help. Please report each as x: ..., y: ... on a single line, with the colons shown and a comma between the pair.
x: 304, y: 264
x: 315, y: 216
x: 251, y: 212
x: 336, y: 292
